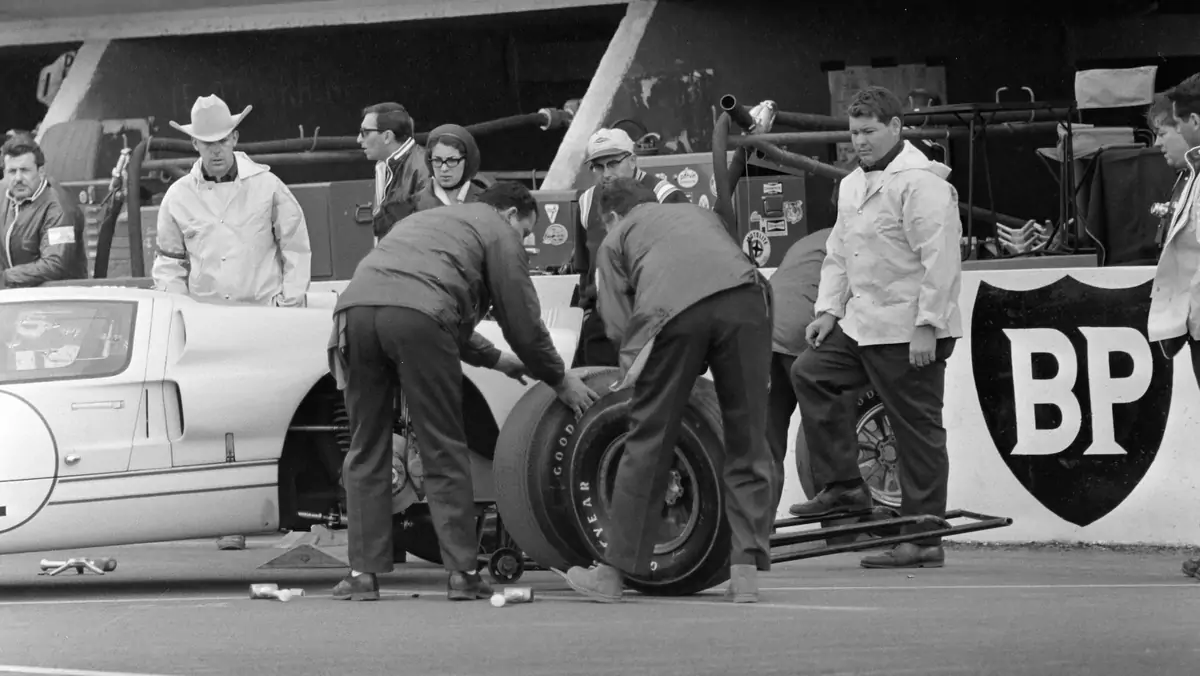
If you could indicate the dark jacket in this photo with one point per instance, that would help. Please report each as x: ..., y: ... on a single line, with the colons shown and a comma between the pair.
x: 453, y: 264
x: 407, y: 175
x: 590, y: 231
x: 660, y: 260
x: 794, y: 286
x: 43, y: 239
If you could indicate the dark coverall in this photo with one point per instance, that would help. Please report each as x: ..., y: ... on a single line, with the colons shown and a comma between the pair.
x: 794, y: 290
x: 44, y: 238
x: 595, y: 349
x: 670, y: 273
x: 407, y: 320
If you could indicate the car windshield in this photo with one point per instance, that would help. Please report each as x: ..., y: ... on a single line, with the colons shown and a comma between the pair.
x: 64, y: 339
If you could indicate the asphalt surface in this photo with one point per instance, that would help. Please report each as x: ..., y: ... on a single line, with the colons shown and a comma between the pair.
x: 183, y: 608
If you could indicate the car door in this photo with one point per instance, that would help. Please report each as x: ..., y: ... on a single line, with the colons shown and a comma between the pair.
x: 81, y: 365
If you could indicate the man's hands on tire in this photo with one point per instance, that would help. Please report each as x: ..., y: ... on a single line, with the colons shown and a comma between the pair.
x: 511, y: 366
x: 573, y: 392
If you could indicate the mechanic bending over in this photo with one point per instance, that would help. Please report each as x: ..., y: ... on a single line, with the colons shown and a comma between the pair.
x: 386, y: 137
x: 230, y: 231
x: 609, y: 154
x: 407, y: 320
x: 453, y: 162
x: 677, y: 293
x: 886, y: 315
x: 42, y: 228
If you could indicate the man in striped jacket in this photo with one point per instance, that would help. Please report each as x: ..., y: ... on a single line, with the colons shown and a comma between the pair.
x: 609, y: 153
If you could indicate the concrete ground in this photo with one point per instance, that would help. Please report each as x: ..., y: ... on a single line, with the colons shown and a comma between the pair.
x: 183, y: 608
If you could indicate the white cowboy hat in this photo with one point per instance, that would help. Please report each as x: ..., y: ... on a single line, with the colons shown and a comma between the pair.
x: 211, y: 120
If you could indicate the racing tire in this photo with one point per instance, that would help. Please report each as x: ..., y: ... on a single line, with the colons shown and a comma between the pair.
x: 692, y: 552
x: 875, y: 438
x: 530, y: 474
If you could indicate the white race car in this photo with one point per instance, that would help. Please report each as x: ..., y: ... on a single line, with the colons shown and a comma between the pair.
x: 131, y: 416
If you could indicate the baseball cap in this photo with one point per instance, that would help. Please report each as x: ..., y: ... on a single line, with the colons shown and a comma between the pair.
x: 608, y: 142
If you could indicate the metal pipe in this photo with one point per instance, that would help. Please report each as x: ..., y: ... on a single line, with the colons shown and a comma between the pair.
x: 812, y: 166
x: 274, y: 159
x: 338, y: 149
x: 730, y: 105
x: 987, y: 113
x: 720, y: 145
x: 939, y: 133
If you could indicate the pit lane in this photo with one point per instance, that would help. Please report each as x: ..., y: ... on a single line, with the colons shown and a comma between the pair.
x: 182, y: 608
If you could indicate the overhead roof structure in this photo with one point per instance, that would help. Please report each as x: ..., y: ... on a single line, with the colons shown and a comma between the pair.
x: 29, y: 22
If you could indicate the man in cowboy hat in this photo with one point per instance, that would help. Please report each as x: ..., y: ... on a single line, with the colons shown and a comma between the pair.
x: 610, y: 153
x: 230, y: 231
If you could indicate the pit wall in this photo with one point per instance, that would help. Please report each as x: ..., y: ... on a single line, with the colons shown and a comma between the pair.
x: 1099, y: 449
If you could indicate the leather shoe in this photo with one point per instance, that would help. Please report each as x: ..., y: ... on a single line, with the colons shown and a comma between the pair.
x: 463, y: 586
x: 907, y: 555
x: 835, y: 500
x: 361, y: 587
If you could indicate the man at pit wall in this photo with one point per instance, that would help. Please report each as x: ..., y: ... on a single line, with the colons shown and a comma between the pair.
x: 610, y: 153
x: 1174, y: 318
x: 42, y: 226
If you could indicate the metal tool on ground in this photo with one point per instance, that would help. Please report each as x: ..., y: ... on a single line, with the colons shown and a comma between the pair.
x: 98, y: 566
x: 272, y: 591
x: 511, y: 595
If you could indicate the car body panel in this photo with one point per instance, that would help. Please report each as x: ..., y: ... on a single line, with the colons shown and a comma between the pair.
x: 192, y: 448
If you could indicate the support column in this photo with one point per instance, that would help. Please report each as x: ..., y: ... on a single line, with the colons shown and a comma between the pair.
x: 74, y: 86
x: 597, y: 102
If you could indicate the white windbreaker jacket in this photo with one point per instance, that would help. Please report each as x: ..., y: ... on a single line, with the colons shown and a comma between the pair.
x: 893, y: 259
x: 244, y: 241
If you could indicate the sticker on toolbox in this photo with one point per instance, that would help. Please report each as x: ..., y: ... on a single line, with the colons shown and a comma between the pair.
x: 757, y: 246
x: 776, y: 227
x: 552, y: 212
x: 772, y: 188
x: 555, y: 235
x: 712, y: 185
x: 793, y: 212
x: 703, y: 202
x: 688, y: 178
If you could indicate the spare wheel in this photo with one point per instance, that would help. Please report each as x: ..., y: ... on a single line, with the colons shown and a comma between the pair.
x: 530, y: 472
x: 691, y: 552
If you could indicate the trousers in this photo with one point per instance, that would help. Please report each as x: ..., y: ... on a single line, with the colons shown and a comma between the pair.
x: 731, y: 333
x: 392, y: 349
x: 594, y: 349
x: 826, y: 377
x: 781, y: 404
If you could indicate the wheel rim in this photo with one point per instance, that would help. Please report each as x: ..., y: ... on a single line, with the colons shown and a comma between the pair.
x: 682, y: 502
x: 694, y: 521
x: 877, y: 460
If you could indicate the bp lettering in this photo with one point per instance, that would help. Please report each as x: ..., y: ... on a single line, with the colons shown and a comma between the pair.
x: 1104, y: 391
x: 1074, y: 398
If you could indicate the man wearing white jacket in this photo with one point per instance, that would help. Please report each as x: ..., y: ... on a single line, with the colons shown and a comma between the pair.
x: 230, y: 232
x: 886, y: 315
